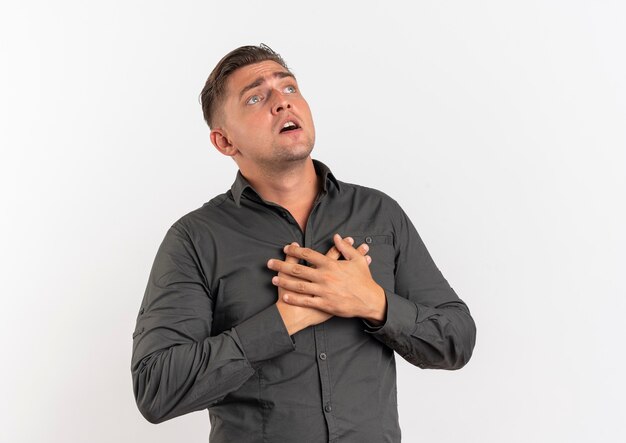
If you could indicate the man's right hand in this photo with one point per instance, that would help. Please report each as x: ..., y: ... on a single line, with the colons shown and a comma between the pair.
x: 297, y: 318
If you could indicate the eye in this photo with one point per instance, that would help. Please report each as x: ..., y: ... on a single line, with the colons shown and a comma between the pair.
x: 254, y: 99
x: 290, y: 89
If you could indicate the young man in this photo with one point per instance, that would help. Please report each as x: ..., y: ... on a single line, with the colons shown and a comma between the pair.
x: 259, y: 307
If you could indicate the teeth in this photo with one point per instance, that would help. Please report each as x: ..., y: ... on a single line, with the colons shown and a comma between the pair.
x: 288, y: 124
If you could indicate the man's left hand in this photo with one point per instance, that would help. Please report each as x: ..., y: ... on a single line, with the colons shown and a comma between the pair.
x: 344, y: 288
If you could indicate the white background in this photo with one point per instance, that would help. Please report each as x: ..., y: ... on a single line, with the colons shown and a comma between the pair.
x: 499, y: 126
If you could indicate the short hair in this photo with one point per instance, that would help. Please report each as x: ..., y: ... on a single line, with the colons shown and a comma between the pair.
x: 214, y: 89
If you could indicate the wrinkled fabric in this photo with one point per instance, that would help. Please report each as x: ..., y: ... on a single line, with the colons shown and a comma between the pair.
x: 209, y: 336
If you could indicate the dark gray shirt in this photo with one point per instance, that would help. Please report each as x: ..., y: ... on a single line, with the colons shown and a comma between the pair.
x: 209, y: 335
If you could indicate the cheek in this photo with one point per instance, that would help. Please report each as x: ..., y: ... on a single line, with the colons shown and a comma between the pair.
x: 247, y: 129
x: 304, y: 106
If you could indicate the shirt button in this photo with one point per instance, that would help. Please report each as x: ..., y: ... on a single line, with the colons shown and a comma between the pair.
x: 328, y: 408
x: 323, y: 356
x: 368, y: 239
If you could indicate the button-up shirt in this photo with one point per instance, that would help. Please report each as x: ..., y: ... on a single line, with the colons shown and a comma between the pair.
x: 209, y: 334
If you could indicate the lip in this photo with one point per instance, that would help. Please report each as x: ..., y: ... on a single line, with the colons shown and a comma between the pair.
x: 289, y: 118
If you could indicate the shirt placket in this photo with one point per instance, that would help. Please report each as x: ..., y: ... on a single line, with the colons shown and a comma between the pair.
x: 324, y: 376
x: 318, y: 330
x: 320, y: 344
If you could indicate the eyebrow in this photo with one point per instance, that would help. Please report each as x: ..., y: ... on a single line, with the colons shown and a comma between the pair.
x: 259, y: 81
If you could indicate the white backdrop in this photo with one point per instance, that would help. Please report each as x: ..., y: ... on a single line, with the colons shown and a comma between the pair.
x: 500, y: 127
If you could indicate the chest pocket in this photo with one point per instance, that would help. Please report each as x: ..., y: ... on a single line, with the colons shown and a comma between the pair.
x: 382, y: 252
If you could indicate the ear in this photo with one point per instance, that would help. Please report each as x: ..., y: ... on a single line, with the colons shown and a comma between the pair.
x: 222, y: 143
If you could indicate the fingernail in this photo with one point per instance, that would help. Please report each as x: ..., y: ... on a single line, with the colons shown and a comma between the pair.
x: 275, y: 280
x: 286, y: 297
x: 349, y: 240
x: 366, y: 248
x: 270, y: 262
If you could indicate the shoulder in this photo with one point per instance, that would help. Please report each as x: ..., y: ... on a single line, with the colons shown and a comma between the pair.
x: 202, y: 218
x: 376, y: 201
x: 365, y: 193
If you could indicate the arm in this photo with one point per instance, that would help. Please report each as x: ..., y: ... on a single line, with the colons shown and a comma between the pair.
x: 423, y: 320
x: 177, y: 366
x: 426, y: 322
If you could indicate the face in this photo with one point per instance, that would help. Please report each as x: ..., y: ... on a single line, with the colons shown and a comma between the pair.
x: 265, y: 122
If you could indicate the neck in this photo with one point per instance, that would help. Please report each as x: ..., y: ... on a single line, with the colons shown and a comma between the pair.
x: 293, y: 188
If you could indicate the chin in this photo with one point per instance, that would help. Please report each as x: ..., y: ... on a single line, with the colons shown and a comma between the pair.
x: 294, y: 153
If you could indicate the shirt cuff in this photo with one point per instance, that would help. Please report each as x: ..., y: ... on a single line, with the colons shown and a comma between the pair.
x: 400, y: 319
x: 264, y: 336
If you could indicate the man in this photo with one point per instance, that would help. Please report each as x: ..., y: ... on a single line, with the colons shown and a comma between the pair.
x: 259, y: 307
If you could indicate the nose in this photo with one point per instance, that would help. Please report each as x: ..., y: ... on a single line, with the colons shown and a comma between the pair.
x: 280, y: 104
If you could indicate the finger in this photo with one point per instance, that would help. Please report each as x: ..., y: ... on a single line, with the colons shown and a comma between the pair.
x: 346, y: 250
x: 333, y: 253
x: 305, y: 301
x: 288, y: 278
x: 363, y: 249
x: 291, y: 259
x: 294, y: 269
x: 369, y: 260
x: 311, y: 256
x: 283, y: 278
x: 296, y: 285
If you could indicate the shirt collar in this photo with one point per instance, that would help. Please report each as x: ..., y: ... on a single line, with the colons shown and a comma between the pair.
x: 240, y: 184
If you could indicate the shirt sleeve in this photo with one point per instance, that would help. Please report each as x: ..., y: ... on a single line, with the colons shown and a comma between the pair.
x: 177, y: 366
x: 426, y: 322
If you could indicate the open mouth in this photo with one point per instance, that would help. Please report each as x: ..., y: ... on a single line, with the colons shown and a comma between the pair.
x: 289, y: 126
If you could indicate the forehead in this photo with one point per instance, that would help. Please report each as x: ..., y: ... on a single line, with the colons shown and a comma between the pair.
x: 249, y: 73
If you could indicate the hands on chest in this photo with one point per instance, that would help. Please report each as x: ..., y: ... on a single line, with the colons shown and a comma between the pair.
x: 309, y: 295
